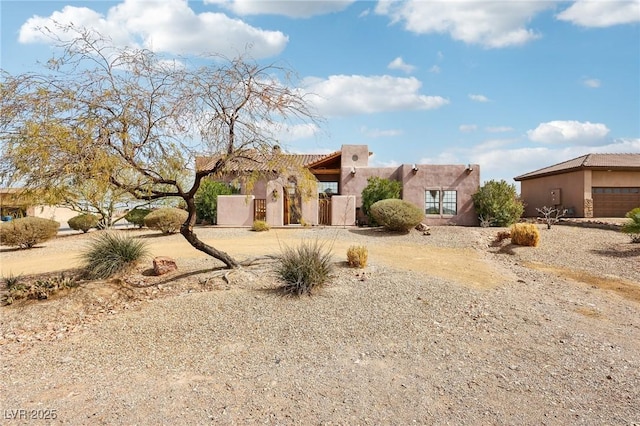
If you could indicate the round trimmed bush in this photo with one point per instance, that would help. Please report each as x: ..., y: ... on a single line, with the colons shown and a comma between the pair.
x: 83, y: 222
x: 166, y: 220
x: 26, y: 232
x: 136, y: 216
x: 396, y: 215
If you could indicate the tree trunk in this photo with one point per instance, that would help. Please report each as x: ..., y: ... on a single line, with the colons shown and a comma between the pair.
x: 187, y: 232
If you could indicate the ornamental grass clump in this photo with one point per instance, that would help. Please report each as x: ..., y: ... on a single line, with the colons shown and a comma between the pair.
x: 166, y: 220
x: 111, y: 253
x: 260, y: 226
x: 357, y: 256
x: 525, y: 234
x: 26, y: 232
x: 304, y: 268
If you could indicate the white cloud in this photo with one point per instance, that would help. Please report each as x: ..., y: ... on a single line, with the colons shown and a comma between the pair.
x: 399, y: 64
x: 435, y: 69
x: 466, y: 128
x: 380, y: 133
x: 164, y: 26
x: 574, y: 132
x: 492, y: 24
x: 290, y: 133
x: 292, y: 9
x: 592, y: 83
x: 603, y: 13
x: 498, y: 129
x: 478, y: 98
x: 343, y: 95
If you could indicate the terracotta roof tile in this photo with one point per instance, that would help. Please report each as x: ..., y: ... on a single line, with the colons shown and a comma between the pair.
x: 588, y: 161
x: 254, y: 161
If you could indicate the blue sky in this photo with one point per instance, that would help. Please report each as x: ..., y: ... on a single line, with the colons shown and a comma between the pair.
x: 511, y: 85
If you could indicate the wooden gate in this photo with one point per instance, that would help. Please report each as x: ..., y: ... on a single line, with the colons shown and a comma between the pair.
x: 324, y: 211
x: 260, y: 209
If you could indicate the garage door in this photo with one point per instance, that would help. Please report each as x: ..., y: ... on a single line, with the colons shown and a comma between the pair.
x: 614, y: 202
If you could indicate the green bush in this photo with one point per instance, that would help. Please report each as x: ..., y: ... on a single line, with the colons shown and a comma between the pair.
x: 136, y: 216
x: 83, y: 222
x: 304, y: 268
x: 166, y: 220
x: 260, y: 226
x: 26, y: 232
x: 357, y: 256
x: 378, y: 189
x: 111, y: 253
x: 632, y: 227
x: 397, y: 215
x: 525, y: 234
x: 206, y: 199
x: 497, y: 204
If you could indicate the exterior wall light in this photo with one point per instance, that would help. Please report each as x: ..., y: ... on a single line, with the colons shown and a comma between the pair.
x: 414, y: 169
x: 353, y: 170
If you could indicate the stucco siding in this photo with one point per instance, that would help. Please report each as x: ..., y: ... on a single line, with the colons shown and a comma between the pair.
x: 536, y: 193
x: 235, y: 210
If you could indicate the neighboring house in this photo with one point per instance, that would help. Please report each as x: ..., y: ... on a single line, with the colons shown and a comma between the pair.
x: 278, y: 196
x: 14, y: 205
x: 593, y: 185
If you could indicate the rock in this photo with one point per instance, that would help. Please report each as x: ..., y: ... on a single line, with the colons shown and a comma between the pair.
x: 422, y: 227
x: 163, y: 265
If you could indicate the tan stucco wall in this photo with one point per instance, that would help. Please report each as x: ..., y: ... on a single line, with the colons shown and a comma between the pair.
x: 615, y: 178
x: 343, y: 210
x: 235, y: 210
x: 59, y: 214
x: 575, y: 188
x: 275, y: 204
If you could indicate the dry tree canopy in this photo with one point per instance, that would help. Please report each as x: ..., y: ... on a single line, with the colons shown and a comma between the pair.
x: 131, y: 120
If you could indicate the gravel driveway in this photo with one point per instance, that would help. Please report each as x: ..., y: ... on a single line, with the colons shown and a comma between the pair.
x: 447, y: 328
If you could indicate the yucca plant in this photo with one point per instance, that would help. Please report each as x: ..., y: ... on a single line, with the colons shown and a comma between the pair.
x: 632, y: 227
x: 304, y: 268
x: 112, y: 253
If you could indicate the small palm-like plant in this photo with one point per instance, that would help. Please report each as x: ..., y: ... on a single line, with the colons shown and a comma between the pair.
x: 304, y: 268
x: 111, y: 253
x: 632, y: 227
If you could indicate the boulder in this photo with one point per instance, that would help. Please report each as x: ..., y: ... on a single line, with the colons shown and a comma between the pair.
x: 163, y: 265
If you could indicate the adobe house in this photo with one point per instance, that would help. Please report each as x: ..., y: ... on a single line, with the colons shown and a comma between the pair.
x: 280, y: 195
x: 593, y: 185
x: 14, y: 205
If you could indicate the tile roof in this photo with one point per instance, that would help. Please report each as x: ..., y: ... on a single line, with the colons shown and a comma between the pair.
x: 255, y: 161
x: 588, y: 161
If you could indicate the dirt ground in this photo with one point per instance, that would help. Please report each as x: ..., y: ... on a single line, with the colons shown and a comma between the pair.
x: 446, y: 328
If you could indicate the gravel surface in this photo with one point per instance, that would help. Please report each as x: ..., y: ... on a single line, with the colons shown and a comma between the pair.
x: 446, y: 328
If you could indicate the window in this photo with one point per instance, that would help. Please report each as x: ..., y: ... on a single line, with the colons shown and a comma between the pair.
x: 327, y: 189
x: 441, y: 202
x: 432, y: 202
x: 449, y: 203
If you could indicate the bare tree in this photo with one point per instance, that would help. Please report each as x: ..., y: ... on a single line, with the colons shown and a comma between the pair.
x: 551, y: 215
x: 135, y: 120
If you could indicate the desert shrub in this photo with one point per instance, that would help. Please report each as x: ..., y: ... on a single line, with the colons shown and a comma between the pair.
x: 632, y: 227
x: 26, y: 232
x: 525, y: 234
x: 112, y: 253
x: 397, y: 215
x: 260, y: 226
x: 304, y: 268
x: 497, y: 203
x: 41, y: 288
x: 206, y: 199
x: 166, y: 220
x: 136, y: 216
x: 378, y: 189
x: 357, y: 256
x: 83, y: 222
